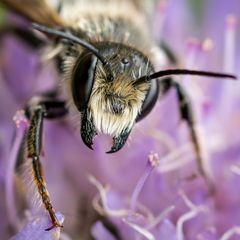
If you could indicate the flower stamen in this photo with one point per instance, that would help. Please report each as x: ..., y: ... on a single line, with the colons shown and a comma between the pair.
x: 230, y: 44
x: 177, y: 158
x: 231, y: 232
x: 21, y: 126
x: 153, y: 162
x: 104, y: 209
x: 143, y: 231
x: 160, y: 217
x: 194, y: 211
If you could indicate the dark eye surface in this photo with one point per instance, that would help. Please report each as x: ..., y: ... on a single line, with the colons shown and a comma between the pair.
x: 150, y: 100
x: 83, y: 79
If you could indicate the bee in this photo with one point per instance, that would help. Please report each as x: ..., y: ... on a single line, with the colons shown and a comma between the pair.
x: 108, y: 66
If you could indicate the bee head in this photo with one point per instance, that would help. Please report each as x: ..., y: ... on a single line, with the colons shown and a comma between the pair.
x: 110, y: 102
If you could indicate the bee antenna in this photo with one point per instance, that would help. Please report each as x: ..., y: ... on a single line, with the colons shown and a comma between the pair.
x: 169, y: 72
x: 75, y: 39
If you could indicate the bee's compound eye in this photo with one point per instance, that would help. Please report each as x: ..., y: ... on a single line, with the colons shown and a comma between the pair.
x: 83, y: 80
x: 150, y: 100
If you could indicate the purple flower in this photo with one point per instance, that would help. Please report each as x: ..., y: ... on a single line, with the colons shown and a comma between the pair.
x: 152, y: 188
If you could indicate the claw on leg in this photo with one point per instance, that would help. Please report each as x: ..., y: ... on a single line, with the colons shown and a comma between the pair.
x: 57, y: 221
x: 54, y: 225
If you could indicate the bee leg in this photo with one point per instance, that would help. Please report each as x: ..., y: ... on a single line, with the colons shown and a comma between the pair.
x: 187, y: 115
x: 119, y: 141
x: 37, y: 112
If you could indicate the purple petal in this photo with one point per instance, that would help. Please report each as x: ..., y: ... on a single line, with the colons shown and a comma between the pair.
x: 99, y: 232
x: 36, y: 229
x: 167, y: 230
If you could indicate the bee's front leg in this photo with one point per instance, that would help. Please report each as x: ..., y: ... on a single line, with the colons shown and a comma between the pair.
x: 37, y: 111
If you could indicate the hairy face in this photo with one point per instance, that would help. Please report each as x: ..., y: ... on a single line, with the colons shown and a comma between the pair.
x: 115, y: 105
